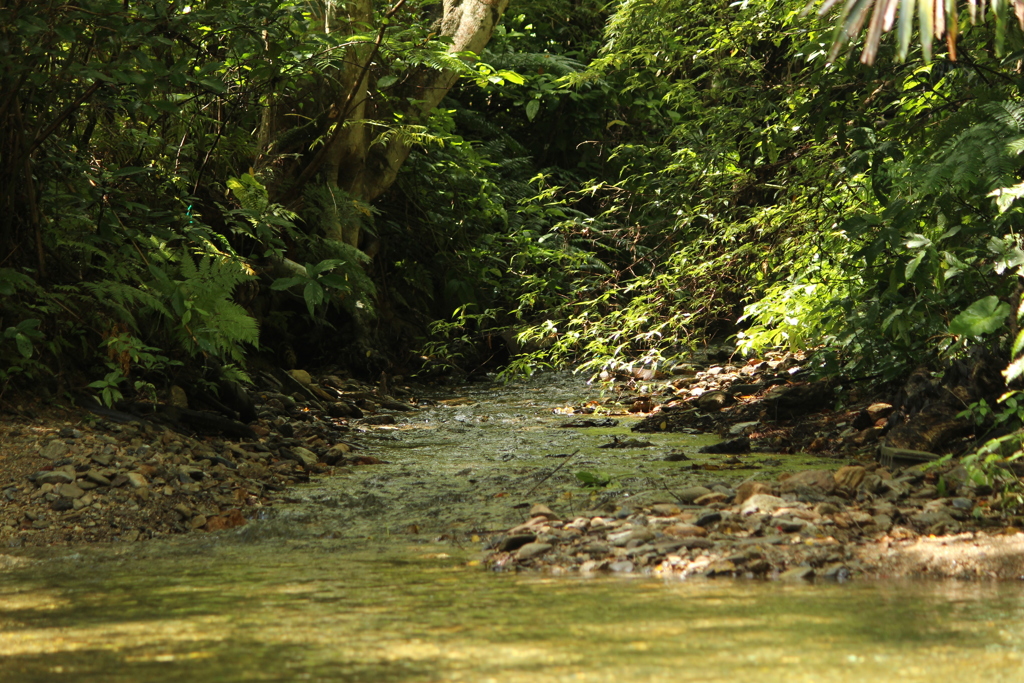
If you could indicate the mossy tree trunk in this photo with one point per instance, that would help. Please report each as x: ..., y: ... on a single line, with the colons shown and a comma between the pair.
x: 356, y: 162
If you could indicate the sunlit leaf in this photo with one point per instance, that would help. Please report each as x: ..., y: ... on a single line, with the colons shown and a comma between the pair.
x: 984, y: 316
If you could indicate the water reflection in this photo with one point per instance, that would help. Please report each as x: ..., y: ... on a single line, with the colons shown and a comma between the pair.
x: 305, y: 612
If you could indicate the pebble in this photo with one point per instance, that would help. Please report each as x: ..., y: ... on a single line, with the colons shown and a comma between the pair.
x: 692, y: 493
x: 137, y: 480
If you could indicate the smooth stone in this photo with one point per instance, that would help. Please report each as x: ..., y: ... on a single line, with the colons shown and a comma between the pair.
x: 709, y: 519
x: 532, y: 550
x: 797, y: 574
x: 103, y: 459
x: 304, y: 455
x: 302, y: 377
x: 97, y: 478
x: 621, y: 567
x: 54, y: 477
x: 639, y: 535
x: 692, y: 493
x: 70, y: 491
x: 686, y: 531
x: 713, y: 401
x: 709, y: 498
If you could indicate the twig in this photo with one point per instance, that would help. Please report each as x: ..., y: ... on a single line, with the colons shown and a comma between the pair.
x: 552, y: 472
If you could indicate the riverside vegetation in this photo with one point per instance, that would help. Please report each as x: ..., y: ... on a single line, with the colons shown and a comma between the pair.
x: 197, y: 197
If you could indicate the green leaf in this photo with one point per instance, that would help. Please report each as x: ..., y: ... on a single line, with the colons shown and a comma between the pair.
x: 595, y: 479
x: 314, y: 295
x: 512, y: 77
x: 912, y: 266
x: 334, y: 280
x: 984, y: 316
x: 287, y: 282
x: 532, y: 107
x: 24, y: 345
x: 386, y: 82
x: 918, y: 241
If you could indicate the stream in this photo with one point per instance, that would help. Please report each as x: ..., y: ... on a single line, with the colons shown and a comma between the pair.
x: 376, y: 575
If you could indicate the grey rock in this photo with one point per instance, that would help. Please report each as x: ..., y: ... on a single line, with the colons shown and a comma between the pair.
x: 532, y: 550
x: 714, y: 401
x: 70, y: 491
x: 304, y: 455
x: 621, y: 567
x: 821, y: 480
x: 708, y: 519
x: 97, y: 478
x: 55, y: 450
x: 621, y: 538
x: 55, y: 477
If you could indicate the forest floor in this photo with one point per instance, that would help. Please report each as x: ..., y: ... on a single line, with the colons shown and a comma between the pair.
x: 70, y: 476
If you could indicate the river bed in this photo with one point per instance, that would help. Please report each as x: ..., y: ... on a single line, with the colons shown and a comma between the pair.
x: 377, y: 576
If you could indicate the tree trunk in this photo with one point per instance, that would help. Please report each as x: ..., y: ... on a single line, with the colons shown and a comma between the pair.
x: 352, y: 164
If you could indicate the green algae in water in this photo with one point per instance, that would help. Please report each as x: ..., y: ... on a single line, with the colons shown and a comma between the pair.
x: 288, y: 612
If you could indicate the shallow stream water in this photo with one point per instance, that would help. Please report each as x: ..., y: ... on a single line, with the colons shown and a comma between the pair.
x: 374, y: 576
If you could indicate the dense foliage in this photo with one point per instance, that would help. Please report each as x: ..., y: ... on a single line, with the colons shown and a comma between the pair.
x: 185, y: 185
